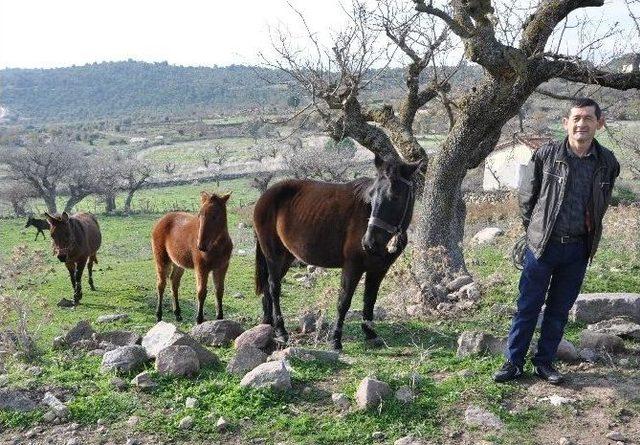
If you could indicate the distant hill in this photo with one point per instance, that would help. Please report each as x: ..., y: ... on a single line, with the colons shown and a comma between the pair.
x: 114, y: 89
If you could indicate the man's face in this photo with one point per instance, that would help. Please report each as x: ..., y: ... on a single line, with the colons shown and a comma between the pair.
x: 582, y: 123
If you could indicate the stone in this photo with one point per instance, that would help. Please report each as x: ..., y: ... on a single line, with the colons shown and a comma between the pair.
x: 165, y: 334
x: 620, y: 326
x: 133, y: 421
x: 110, y: 318
x: 178, y: 361
x: 144, y: 381
x: 217, y: 332
x: 308, y: 322
x: 273, y: 375
x: 81, y: 331
x: 118, y: 383
x: 566, y: 352
x: 97, y: 352
x: 411, y: 440
x: 479, y: 417
x: 557, y: 400
x: 49, y: 417
x: 85, y: 345
x: 469, y: 292
x: 601, y: 342
x: 616, y: 435
x: 371, y: 392
x: 124, y: 359
x: 487, y: 235
x: 377, y: 435
x: 566, y: 441
x: 379, y: 313
x: 404, y: 394
x: 457, y: 283
x: 64, y: 302
x: 58, y: 342
x: 246, y: 359
x: 16, y: 400
x: 191, y: 402
x: 260, y: 336
x: 132, y: 441
x: 475, y: 342
x: 341, y: 401
x: 306, y: 355
x: 118, y: 338
x: 185, y: 423
x: 592, y: 308
x: 588, y: 355
x: 222, y: 425
x: 59, y: 409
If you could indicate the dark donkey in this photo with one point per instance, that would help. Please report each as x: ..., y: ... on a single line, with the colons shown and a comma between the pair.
x: 359, y: 226
x: 76, y: 240
x: 40, y: 224
x: 181, y: 240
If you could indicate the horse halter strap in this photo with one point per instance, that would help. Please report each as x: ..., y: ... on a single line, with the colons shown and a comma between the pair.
x: 389, y: 228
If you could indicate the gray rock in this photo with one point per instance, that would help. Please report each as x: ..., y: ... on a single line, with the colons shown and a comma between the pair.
x: 566, y: 441
x: 478, y: 417
x: 118, y: 338
x: 566, y: 351
x: 118, y: 383
x: 110, y: 318
x: 601, y: 342
x: 377, y: 435
x: 165, y: 334
x: 178, y: 360
x: 405, y: 394
x: 132, y: 441
x: 411, y: 440
x: 191, y: 402
x: 186, y: 423
x: 306, y: 355
x: 260, y: 336
x: 616, y: 435
x: 81, y: 331
x: 469, y: 292
x: 592, y: 308
x: 124, y: 359
x: 371, y: 392
x: 97, y: 352
x: 458, y: 282
x: 217, y: 332
x: 487, y: 235
x: 588, y: 355
x: 620, y: 326
x: 246, y: 359
x: 222, y: 425
x: 475, y: 342
x: 268, y: 375
x: 58, y: 343
x: 144, y: 381
x: 16, y: 400
x: 59, y: 409
x: 308, y: 322
x: 341, y: 401
x: 49, y: 417
x: 85, y: 345
x: 379, y: 313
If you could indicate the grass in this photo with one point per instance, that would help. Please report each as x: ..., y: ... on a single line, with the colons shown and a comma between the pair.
x: 125, y: 279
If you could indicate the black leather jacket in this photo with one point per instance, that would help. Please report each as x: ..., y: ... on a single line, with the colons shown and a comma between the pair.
x: 542, y: 189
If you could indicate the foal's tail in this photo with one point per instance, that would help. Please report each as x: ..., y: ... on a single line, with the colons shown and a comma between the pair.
x: 262, y: 273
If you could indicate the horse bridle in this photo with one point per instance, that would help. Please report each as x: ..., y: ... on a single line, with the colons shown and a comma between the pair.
x: 389, y: 228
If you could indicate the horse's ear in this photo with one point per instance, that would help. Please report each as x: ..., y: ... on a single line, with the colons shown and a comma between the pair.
x: 378, y: 161
x: 409, y: 169
x: 50, y: 218
x: 226, y: 197
x: 204, y: 197
x: 65, y: 216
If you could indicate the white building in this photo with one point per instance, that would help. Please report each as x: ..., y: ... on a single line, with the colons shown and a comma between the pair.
x: 504, y: 166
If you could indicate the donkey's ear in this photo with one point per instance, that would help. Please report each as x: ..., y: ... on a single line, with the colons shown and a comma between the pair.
x: 50, y: 218
x: 378, y: 161
x: 65, y: 216
x: 409, y: 169
x: 204, y: 197
x: 226, y: 197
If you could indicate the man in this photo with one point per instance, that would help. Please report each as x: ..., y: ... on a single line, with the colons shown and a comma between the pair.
x: 563, y: 196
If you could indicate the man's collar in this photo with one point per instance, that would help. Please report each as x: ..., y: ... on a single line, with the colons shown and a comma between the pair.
x: 592, y: 152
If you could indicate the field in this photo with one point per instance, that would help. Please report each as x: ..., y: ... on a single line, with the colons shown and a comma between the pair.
x: 125, y: 279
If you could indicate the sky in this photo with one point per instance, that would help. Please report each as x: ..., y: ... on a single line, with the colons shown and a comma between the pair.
x: 56, y: 33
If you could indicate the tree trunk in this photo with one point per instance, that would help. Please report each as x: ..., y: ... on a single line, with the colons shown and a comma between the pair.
x: 127, y: 201
x: 110, y: 203
x: 72, y: 201
x: 50, y: 202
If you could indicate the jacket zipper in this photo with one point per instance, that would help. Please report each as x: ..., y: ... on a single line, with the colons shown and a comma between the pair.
x: 556, y: 210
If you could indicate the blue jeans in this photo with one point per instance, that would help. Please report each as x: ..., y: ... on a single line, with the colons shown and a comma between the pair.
x: 558, y: 275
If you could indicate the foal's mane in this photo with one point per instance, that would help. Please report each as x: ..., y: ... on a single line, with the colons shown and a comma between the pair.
x: 361, y: 187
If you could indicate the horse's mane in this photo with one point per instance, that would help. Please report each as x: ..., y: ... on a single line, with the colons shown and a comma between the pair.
x: 361, y: 187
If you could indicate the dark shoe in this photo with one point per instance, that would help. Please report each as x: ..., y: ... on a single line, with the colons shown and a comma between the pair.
x: 548, y: 373
x: 509, y: 371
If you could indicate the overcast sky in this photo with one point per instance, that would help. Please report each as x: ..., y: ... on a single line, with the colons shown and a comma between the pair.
x: 54, y: 33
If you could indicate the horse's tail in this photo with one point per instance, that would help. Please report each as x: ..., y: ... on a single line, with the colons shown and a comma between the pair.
x: 262, y: 273
x: 93, y: 258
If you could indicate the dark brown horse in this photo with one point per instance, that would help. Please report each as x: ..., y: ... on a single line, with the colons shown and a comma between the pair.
x: 76, y: 240
x: 359, y: 227
x: 40, y: 224
x: 201, y: 242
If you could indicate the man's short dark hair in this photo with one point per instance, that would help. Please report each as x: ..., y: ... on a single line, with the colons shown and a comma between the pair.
x: 582, y: 102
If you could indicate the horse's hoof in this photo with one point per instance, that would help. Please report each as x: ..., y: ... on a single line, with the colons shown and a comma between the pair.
x: 158, y: 318
x: 375, y: 342
x: 66, y: 303
x: 93, y: 288
x: 281, y: 340
x: 336, y: 346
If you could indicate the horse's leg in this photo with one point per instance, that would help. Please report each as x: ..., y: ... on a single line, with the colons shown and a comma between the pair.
x: 40, y: 231
x: 218, y: 279
x: 371, y: 286
x: 162, y: 270
x: 350, y: 277
x: 275, y: 287
x: 202, y: 275
x: 90, y: 269
x: 71, y: 267
x: 176, y: 276
x: 37, y: 233
x: 80, y: 264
